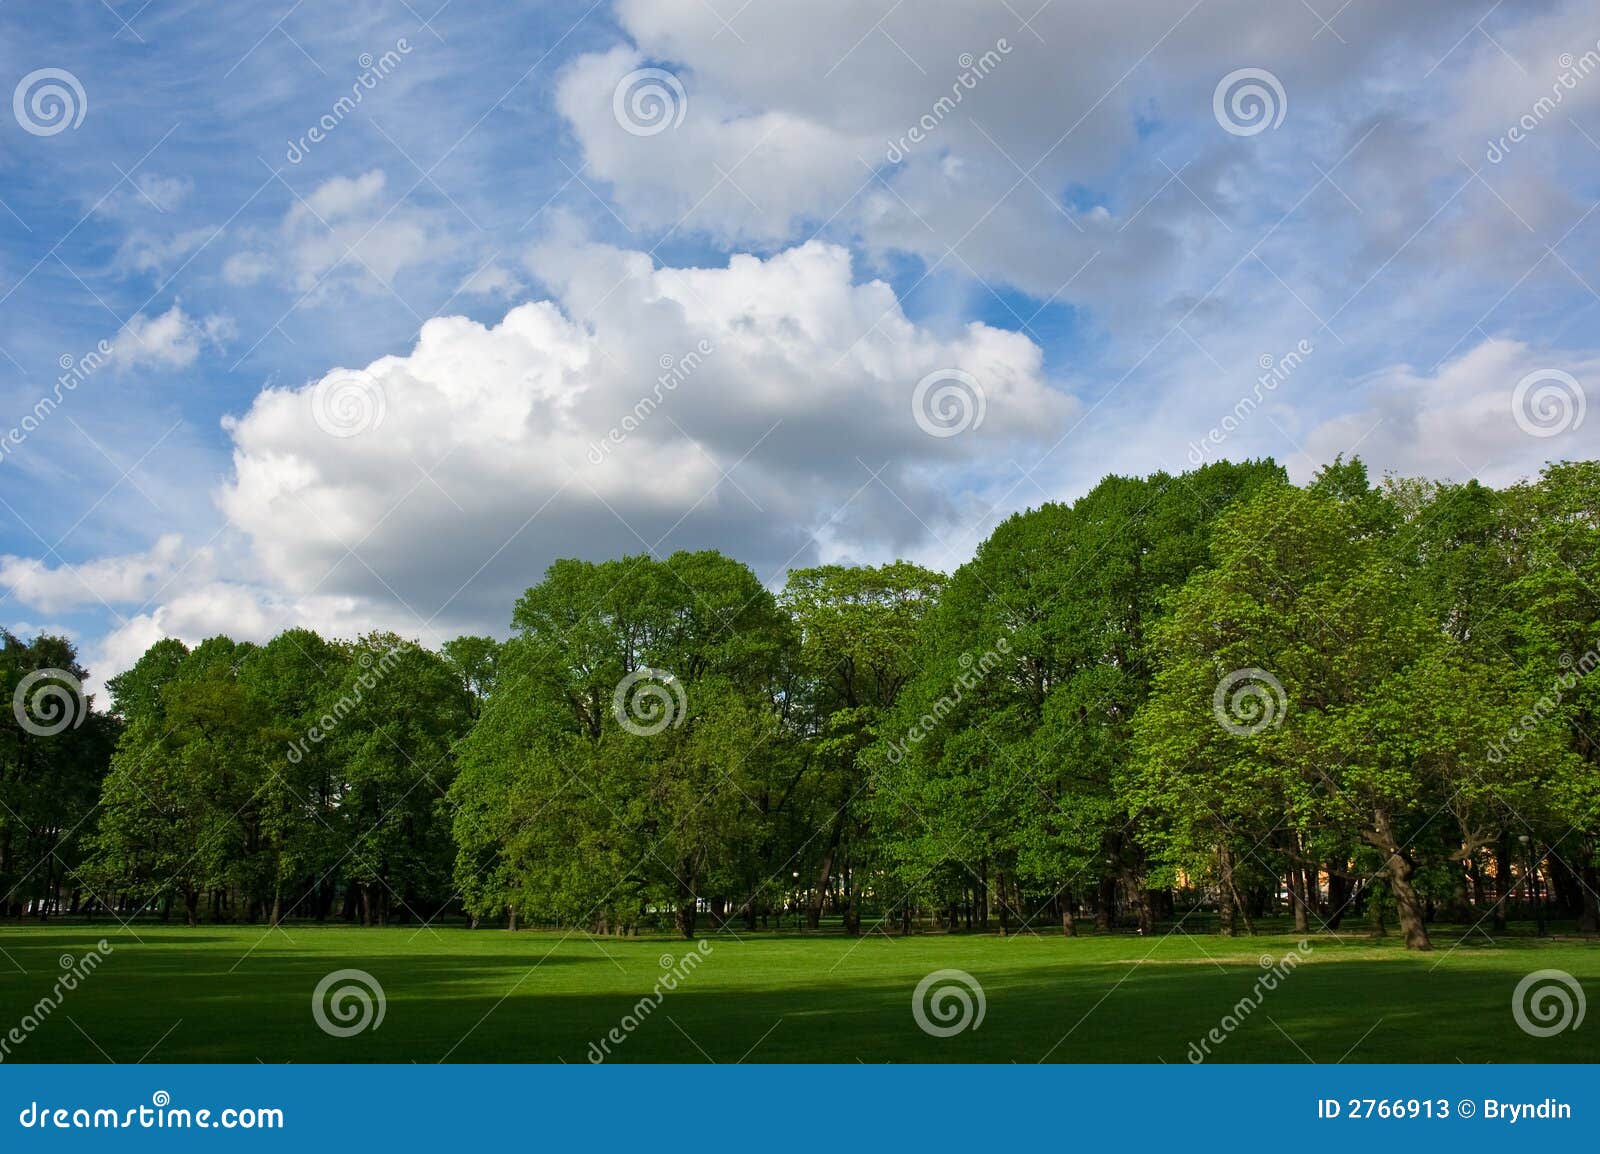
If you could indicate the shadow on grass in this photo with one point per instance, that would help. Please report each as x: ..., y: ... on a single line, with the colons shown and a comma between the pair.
x: 515, y: 998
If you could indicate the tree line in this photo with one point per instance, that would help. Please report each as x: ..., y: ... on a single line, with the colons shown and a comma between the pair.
x: 1195, y: 700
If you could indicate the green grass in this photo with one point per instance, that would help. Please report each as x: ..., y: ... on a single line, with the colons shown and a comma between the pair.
x: 241, y: 994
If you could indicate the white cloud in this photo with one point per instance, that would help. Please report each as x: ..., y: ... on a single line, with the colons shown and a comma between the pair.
x: 247, y: 268
x: 172, y: 340
x: 788, y: 413
x: 1093, y: 136
x: 345, y: 224
x: 146, y: 252
x: 163, y: 193
x: 491, y: 280
x: 1462, y: 420
x: 129, y: 578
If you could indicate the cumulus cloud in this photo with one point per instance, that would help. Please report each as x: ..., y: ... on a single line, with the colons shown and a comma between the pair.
x: 757, y: 407
x: 977, y: 160
x: 1007, y: 141
x: 1498, y: 413
x: 244, y: 612
x: 345, y: 224
x: 1092, y: 136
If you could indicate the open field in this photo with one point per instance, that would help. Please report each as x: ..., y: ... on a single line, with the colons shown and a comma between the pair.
x: 232, y: 993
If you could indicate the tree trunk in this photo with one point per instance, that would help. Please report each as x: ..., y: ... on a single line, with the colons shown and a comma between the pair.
x: 191, y: 906
x: 1589, y: 919
x: 1338, y: 894
x: 1107, y: 903
x: 1297, y: 898
x: 824, y: 875
x: 1225, y: 908
x: 1502, y: 881
x: 1146, y: 902
x: 1399, y: 869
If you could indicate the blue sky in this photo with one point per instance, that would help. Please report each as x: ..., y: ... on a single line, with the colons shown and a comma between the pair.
x: 360, y: 380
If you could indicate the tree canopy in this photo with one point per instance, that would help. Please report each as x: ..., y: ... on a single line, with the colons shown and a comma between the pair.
x: 1210, y: 697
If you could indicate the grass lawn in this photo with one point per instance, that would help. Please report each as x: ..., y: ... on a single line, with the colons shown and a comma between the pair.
x: 241, y: 993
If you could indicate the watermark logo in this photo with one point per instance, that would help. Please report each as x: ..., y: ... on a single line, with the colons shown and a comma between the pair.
x: 1274, y: 971
x: 948, y: 1002
x: 73, y: 971
x: 675, y: 972
x: 48, y: 101
x: 1548, y: 1002
x: 1573, y: 69
x: 1248, y: 701
x: 947, y: 402
x: 366, y: 681
x: 346, y: 1002
x: 973, y: 69
x: 1248, y: 101
x: 348, y: 402
x: 648, y: 700
x: 973, y: 671
x: 674, y: 371
x: 1562, y: 684
x: 48, y: 701
x: 648, y: 101
x: 1548, y: 402
x: 373, y: 70
x: 1275, y: 371
x: 75, y: 370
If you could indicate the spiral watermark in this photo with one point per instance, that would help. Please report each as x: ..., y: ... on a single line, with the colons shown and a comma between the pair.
x: 348, y: 402
x: 947, y: 402
x: 346, y: 1002
x: 1548, y: 402
x: 648, y: 700
x: 48, y: 701
x: 49, y: 100
x: 1248, y: 101
x: 948, y: 1002
x: 648, y: 101
x: 1248, y: 701
x: 1548, y: 1002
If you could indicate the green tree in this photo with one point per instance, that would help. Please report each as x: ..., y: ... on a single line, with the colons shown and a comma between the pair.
x: 859, y: 629
x: 53, y: 753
